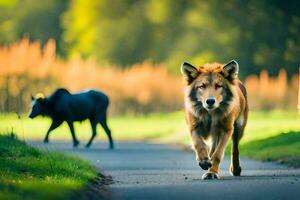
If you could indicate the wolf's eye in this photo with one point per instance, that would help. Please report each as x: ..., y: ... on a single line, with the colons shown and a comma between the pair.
x: 218, y: 86
x: 201, y: 86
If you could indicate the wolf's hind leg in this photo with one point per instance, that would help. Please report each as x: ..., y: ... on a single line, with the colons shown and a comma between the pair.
x: 235, y: 168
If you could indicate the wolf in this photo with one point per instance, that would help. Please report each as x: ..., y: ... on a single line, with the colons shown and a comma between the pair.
x: 63, y: 106
x: 216, y: 110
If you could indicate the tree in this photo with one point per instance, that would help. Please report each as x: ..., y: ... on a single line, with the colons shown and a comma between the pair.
x: 32, y: 18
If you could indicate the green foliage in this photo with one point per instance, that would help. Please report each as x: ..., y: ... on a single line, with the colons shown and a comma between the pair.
x: 33, y: 19
x: 28, y: 173
x: 260, y: 34
x: 8, y: 3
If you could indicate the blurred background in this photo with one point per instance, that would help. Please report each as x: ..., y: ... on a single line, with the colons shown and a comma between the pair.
x: 132, y: 50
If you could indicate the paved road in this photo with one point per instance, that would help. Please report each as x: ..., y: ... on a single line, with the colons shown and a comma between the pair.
x: 151, y: 171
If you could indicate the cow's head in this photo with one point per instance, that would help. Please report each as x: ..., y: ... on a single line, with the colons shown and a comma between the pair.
x: 38, y: 105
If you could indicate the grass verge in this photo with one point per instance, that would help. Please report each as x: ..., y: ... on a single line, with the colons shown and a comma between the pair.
x: 284, y: 148
x: 28, y: 173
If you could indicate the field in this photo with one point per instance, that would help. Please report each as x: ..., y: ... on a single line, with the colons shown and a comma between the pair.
x: 28, y: 173
x: 270, y: 135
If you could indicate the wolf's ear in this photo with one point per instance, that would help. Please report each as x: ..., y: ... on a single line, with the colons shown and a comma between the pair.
x: 231, y: 70
x: 189, y: 72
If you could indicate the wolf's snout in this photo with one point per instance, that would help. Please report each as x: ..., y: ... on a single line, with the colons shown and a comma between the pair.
x: 210, y: 101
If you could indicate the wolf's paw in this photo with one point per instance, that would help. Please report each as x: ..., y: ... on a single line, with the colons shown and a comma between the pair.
x: 210, y: 175
x: 235, y: 171
x: 205, y: 164
x: 46, y: 141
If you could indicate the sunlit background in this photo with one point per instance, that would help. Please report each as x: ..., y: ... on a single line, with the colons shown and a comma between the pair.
x: 132, y: 50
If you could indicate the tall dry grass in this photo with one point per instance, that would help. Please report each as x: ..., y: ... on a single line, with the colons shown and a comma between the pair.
x: 27, y: 68
x: 265, y: 92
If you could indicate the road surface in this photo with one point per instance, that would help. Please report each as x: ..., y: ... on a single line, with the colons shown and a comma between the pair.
x: 159, y: 172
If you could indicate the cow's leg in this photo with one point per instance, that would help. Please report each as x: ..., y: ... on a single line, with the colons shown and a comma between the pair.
x: 94, y: 132
x: 75, y: 141
x: 54, y: 125
x: 108, y: 132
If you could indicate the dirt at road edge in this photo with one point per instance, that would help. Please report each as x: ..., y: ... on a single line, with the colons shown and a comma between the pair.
x: 96, y: 189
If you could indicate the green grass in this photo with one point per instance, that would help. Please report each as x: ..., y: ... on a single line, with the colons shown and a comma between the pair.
x: 29, y: 173
x: 164, y: 128
x: 284, y: 147
x: 154, y: 126
x: 263, y: 125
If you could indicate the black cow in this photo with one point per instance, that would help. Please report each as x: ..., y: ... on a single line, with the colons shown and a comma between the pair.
x: 63, y: 106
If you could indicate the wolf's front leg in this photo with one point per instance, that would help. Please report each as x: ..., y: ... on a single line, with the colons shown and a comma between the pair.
x: 217, y: 156
x: 200, y: 149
